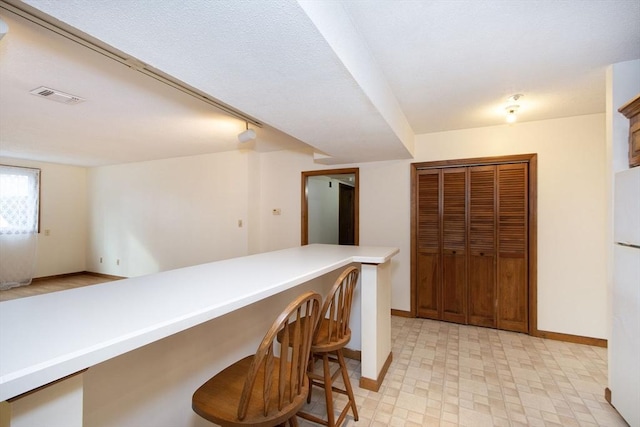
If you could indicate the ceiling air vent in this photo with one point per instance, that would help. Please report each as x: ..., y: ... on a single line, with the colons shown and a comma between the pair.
x: 56, y: 95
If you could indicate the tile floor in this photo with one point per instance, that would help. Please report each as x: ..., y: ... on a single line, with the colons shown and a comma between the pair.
x: 445, y: 374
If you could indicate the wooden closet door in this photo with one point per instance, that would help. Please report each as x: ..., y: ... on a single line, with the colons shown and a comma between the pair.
x: 471, y: 241
x: 428, y: 268
x: 512, y: 268
x: 482, y: 246
x: 454, y: 241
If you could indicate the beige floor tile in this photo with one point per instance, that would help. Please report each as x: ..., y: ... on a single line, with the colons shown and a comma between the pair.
x: 448, y: 375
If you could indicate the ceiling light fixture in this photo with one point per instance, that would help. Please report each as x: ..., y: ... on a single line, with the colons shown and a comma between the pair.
x: 247, y: 135
x: 511, y: 113
x: 512, y: 108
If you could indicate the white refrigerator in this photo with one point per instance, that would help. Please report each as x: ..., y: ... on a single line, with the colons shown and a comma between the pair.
x: 625, y: 337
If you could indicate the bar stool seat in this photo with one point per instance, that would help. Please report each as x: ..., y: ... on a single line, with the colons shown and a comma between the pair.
x: 262, y: 389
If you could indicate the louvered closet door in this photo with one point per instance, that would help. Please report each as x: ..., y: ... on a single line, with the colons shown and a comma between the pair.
x: 512, y: 270
x: 428, y: 267
x: 472, y: 245
x: 482, y: 246
x: 454, y: 240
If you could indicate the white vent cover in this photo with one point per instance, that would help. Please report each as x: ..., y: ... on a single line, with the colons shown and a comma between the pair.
x: 56, y: 95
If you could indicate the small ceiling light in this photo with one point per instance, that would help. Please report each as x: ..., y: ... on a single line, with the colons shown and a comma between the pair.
x: 512, y: 108
x: 511, y: 113
x: 247, y: 135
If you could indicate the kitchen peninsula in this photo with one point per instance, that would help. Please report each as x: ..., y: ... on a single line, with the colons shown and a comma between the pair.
x: 142, y: 344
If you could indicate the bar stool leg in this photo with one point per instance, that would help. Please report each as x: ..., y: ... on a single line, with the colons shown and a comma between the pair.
x: 328, y: 384
x: 347, y: 384
x: 311, y: 373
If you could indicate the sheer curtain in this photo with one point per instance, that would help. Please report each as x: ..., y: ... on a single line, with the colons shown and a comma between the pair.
x: 19, y: 205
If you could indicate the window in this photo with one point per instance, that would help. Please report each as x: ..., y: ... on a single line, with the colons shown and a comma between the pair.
x: 19, y: 200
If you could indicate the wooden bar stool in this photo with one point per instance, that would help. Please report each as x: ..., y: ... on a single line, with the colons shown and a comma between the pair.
x: 262, y: 389
x: 331, y: 335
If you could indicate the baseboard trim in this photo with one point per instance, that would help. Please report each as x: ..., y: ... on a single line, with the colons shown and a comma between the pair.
x: 374, y: 385
x: 58, y: 276
x: 106, y: 276
x: 576, y: 339
x: 77, y: 273
x: 401, y: 313
x: 607, y: 397
x: 352, y: 354
x: 556, y: 336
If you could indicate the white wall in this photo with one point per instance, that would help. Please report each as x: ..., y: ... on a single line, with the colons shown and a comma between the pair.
x: 159, y: 215
x: 254, y: 205
x: 165, y: 214
x: 58, y: 404
x: 63, y: 211
x: 280, y: 178
x: 572, y: 204
x: 572, y: 207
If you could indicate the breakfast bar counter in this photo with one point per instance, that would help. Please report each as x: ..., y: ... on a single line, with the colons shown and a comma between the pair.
x: 50, y: 337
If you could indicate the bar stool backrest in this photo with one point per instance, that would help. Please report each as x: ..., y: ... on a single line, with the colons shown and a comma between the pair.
x: 291, y: 362
x: 333, y: 328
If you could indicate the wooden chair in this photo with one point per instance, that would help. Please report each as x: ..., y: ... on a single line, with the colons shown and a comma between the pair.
x: 262, y: 389
x: 331, y: 335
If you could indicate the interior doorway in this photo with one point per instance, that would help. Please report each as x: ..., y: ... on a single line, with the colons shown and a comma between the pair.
x: 346, y: 215
x: 329, y: 209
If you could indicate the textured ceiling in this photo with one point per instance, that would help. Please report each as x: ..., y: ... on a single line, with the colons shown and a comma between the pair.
x: 454, y: 64
x: 354, y: 80
x: 127, y: 116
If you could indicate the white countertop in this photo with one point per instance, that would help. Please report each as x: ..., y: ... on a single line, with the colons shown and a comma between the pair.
x: 47, y: 337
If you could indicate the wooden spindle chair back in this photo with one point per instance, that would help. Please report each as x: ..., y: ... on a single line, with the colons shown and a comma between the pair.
x: 333, y: 327
x: 275, y: 383
x: 292, y: 358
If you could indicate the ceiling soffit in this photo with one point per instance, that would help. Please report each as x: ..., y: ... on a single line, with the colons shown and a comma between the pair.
x: 266, y: 59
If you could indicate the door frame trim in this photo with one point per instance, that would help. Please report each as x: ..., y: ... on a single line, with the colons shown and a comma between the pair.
x: 532, y: 161
x: 304, y: 208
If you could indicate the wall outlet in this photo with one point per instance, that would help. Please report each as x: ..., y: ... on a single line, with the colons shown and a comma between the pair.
x: 240, y: 223
x: 276, y: 211
x: 117, y: 262
x: 100, y: 260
